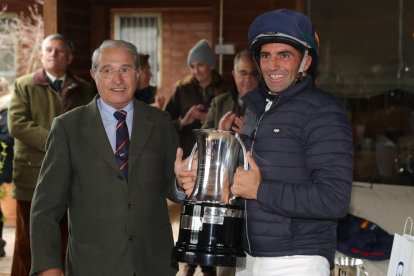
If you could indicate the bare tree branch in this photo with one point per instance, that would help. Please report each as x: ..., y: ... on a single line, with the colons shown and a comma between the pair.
x: 23, y: 36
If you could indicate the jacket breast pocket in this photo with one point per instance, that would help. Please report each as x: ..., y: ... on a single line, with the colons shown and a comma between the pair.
x: 151, y: 165
x: 25, y: 173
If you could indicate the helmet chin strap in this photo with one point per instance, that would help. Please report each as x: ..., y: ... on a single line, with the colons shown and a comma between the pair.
x: 265, y: 91
x: 301, y: 71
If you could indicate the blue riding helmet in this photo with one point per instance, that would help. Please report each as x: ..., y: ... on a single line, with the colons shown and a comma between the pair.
x: 284, y: 26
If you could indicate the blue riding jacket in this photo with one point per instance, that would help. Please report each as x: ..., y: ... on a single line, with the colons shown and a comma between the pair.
x: 303, y: 147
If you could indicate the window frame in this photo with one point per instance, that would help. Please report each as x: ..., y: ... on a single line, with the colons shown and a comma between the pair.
x: 155, y: 61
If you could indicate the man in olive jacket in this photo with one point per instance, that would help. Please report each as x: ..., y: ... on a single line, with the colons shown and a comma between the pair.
x: 227, y: 110
x: 34, y: 103
x: 115, y: 192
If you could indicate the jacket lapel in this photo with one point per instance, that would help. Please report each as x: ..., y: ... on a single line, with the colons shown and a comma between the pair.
x: 141, y: 130
x: 94, y: 132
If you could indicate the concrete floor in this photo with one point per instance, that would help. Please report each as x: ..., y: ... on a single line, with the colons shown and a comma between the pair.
x: 5, y: 262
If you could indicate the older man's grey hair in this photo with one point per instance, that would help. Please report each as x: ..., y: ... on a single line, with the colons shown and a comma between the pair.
x: 239, y: 55
x: 60, y: 37
x: 115, y: 44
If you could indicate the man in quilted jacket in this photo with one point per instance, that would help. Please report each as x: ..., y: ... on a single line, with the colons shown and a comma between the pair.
x: 300, y: 154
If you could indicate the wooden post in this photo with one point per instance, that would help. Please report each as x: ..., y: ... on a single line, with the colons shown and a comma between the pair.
x: 51, y: 15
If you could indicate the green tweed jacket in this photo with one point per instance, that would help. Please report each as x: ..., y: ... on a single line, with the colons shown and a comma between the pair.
x: 33, y: 106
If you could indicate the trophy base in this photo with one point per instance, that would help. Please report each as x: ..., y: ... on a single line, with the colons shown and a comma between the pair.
x: 208, y: 259
x: 210, y: 235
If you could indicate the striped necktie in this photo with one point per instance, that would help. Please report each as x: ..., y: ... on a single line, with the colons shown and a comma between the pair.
x: 122, y: 142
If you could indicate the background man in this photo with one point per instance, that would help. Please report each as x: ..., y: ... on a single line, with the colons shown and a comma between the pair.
x: 145, y: 91
x: 111, y: 164
x: 226, y: 110
x: 37, y: 99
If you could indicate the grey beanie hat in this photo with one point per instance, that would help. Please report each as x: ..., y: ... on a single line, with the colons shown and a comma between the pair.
x: 202, y: 52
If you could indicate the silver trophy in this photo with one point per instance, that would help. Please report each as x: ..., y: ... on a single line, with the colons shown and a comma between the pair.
x: 211, y: 219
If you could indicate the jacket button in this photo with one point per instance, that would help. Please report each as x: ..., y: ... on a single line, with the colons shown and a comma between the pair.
x: 129, y: 206
x: 130, y: 238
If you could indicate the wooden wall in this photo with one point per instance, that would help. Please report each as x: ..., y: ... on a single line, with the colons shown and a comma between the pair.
x: 179, y: 36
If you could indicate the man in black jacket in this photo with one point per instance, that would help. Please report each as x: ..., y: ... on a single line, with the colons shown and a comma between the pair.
x: 301, y: 155
x: 301, y: 152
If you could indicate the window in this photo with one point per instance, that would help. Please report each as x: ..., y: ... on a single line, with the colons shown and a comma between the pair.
x: 8, y: 65
x: 366, y: 59
x: 143, y: 30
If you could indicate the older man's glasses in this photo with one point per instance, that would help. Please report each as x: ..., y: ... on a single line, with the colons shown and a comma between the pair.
x: 245, y: 74
x: 109, y: 72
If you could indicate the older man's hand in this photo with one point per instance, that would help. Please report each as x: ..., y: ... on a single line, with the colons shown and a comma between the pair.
x: 185, y: 178
x: 52, y: 272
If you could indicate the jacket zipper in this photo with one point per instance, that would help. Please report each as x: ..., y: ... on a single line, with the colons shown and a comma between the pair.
x: 253, y: 138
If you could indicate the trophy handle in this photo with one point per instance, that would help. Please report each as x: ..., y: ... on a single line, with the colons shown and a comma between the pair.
x: 245, y: 163
x: 190, y: 166
x: 191, y: 157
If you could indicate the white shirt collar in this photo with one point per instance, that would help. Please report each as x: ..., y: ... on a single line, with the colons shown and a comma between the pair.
x: 53, y: 78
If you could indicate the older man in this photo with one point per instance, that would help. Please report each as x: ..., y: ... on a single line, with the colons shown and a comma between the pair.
x: 226, y: 111
x: 111, y: 164
x: 37, y: 99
